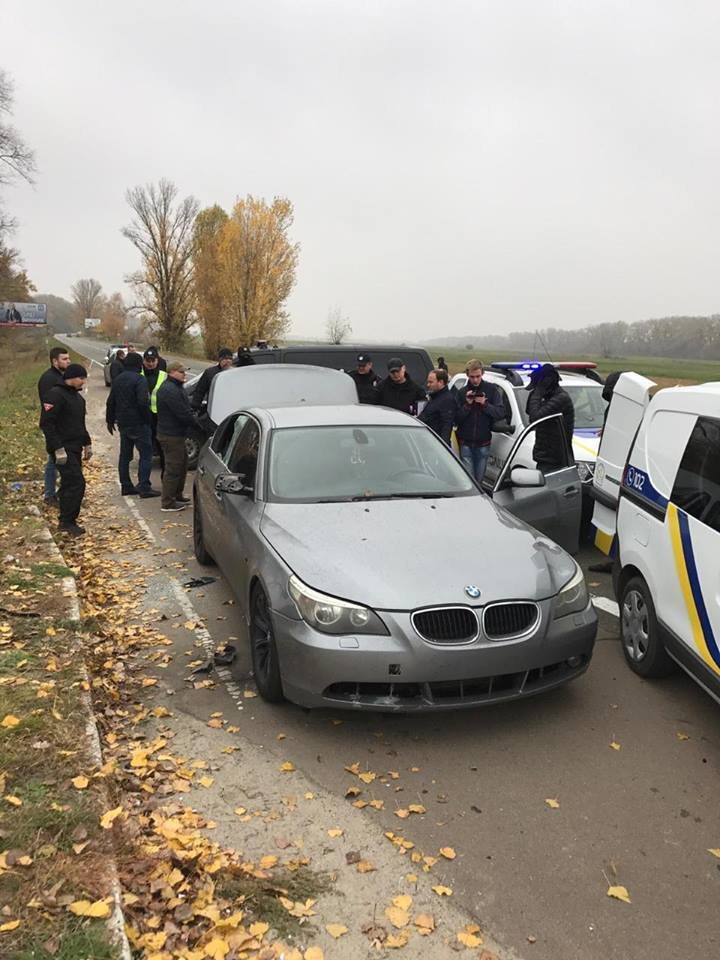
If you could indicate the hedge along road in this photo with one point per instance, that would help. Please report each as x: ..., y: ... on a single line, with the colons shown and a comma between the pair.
x: 633, y: 766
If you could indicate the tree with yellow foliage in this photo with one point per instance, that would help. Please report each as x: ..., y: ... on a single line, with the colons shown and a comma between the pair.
x: 245, y: 268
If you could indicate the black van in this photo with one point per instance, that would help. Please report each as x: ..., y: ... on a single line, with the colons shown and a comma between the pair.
x: 337, y: 357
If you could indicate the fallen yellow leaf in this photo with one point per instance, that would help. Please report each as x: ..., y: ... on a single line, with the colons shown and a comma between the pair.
x: 15, y: 801
x: 336, y: 930
x: 425, y: 924
x: 682, y: 736
x: 469, y: 940
x: 442, y: 891
x: 364, y: 866
x: 403, y: 901
x: 206, y: 781
x: 249, y: 694
x: 403, y: 814
x: 106, y: 820
x: 553, y: 804
x: 335, y: 832
x: 416, y: 808
x: 84, y: 908
x: 80, y: 782
x: 448, y: 853
x: 9, y: 925
x: 619, y: 893
x: 614, y: 745
x: 367, y: 777
x: 314, y: 953
x: 397, y: 940
x: 715, y: 851
x: 9, y: 721
x: 240, y: 811
x: 257, y: 929
x: 287, y: 766
x: 217, y: 949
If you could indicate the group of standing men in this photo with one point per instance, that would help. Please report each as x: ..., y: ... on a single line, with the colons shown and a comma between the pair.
x: 470, y: 411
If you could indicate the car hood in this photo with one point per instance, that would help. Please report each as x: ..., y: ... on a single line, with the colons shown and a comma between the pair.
x: 404, y: 554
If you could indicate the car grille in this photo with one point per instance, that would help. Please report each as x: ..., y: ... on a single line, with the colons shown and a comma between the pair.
x: 446, y: 624
x: 504, y: 620
x: 454, y: 693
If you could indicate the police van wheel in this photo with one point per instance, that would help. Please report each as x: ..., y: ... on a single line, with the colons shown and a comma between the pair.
x: 639, y: 632
x: 265, y: 662
x: 201, y: 553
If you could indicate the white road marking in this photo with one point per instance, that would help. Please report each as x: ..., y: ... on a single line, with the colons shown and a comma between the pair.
x: 132, y: 506
x: 609, y: 606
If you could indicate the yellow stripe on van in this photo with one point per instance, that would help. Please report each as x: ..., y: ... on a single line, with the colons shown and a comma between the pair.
x: 604, y: 541
x: 681, y: 567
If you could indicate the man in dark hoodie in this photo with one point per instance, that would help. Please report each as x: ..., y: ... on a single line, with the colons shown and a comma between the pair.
x: 365, y: 378
x: 53, y: 377
x: 128, y: 406
x: 68, y: 443
x: 397, y: 390
x: 440, y: 410
x: 202, y: 387
x: 546, y: 397
x: 479, y: 406
x: 117, y: 365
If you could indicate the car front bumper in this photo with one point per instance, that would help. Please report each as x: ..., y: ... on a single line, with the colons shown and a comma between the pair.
x: 404, y: 673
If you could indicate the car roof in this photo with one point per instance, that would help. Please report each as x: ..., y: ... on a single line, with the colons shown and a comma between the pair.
x: 567, y: 379
x: 343, y: 347
x: 333, y: 414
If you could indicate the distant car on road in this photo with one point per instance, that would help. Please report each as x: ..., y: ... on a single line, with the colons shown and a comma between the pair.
x: 110, y: 356
x: 322, y: 512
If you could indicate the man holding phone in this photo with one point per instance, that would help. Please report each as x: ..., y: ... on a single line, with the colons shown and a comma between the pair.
x: 479, y: 405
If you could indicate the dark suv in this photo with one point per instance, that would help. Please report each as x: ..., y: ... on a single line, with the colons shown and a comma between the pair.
x: 337, y: 357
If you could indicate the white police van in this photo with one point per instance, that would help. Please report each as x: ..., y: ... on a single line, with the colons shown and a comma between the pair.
x: 657, y: 487
x: 585, y: 388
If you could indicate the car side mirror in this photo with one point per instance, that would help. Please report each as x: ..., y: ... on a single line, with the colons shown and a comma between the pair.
x: 502, y: 426
x: 525, y: 477
x: 233, y: 483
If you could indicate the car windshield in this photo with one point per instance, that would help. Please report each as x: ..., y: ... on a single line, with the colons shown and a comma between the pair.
x: 587, y: 400
x: 326, y: 464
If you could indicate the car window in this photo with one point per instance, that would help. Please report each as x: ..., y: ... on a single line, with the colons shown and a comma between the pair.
x: 223, y: 436
x: 307, y: 464
x: 697, y: 484
x: 243, y: 455
x: 588, y: 403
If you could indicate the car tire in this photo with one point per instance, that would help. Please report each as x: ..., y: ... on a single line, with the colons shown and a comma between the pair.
x: 263, y: 649
x: 202, y: 554
x: 193, y: 445
x: 640, y: 634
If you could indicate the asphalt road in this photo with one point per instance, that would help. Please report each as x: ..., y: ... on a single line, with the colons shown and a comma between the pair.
x: 642, y: 816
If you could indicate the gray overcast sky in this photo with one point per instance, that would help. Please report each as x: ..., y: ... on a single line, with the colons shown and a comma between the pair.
x: 459, y: 168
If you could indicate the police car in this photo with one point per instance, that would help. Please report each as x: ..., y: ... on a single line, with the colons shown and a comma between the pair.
x: 584, y: 386
x: 657, y: 487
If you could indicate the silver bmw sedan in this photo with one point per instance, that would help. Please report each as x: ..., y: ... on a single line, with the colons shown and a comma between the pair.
x: 371, y: 570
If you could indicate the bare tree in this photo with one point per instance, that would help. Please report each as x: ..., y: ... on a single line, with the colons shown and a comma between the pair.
x: 87, y: 297
x: 17, y: 160
x: 162, y: 233
x: 337, y: 326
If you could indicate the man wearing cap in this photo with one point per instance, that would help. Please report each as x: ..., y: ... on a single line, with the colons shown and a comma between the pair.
x: 398, y: 390
x: 546, y: 397
x: 128, y: 406
x: 365, y: 378
x: 155, y: 376
x: 175, y: 417
x: 202, y: 388
x: 68, y: 442
x: 439, y: 412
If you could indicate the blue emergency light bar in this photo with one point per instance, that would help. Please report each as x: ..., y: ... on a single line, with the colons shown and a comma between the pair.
x: 516, y: 365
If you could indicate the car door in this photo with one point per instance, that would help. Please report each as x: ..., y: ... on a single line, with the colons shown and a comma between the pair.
x: 501, y: 444
x: 239, y: 514
x: 213, y: 464
x: 553, y: 508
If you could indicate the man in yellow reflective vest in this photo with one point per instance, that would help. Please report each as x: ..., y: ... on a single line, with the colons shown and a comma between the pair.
x: 155, y: 376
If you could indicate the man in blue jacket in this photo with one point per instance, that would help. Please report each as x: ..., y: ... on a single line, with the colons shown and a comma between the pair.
x: 440, y: 410
x: 479, y: 405
x: 128, y: 406
x: 175, y: 417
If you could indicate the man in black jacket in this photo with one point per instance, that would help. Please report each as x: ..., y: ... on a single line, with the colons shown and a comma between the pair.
x: 53, y: 377
x: 68, y: 442
x: 117, y: 364
x: 365, y: 378
x: 479, y: 405
x: 441, y: 409
x: 546, y: 397
x: 175, y: 417
x: 128, y: 406
x: 244, y: 357
x: 202, y: 387
x: 397, y: 390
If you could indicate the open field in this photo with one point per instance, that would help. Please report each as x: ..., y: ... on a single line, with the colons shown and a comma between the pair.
x: 664, y: 370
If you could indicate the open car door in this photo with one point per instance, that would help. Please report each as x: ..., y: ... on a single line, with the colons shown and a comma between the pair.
x: 630, y: 399
x: 550, y: 502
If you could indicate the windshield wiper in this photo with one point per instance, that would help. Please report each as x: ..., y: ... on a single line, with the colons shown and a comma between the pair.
x: 401, y: 496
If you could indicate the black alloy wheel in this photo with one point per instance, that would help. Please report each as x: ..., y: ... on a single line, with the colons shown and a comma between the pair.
x: 202, y: 554
x: 193, y: 447
x: 265, y: 662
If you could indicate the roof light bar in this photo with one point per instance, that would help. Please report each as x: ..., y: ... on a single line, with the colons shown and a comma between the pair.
x: 516, y: 365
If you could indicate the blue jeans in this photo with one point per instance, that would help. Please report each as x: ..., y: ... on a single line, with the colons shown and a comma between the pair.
x: 475, y: 459
x: 50, y: 478
x: 140, y: 439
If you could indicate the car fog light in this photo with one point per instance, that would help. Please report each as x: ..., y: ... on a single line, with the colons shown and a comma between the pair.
x: 574, y: 661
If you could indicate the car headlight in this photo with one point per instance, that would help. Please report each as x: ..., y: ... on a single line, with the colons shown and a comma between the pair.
x: 572, y: 598
x: 586, y: 470
x: 331, y: 615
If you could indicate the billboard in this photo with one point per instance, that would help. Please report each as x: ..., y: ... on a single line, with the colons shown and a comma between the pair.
x: 91, y: 322
x: 14, y: 314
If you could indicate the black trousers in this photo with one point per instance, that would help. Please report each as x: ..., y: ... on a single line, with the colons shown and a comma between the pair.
x: 176, y: 463
x: 157, y: 446
x: 72, y: 487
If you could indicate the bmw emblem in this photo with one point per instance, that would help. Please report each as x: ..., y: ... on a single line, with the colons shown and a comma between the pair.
x: 472, y: 591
